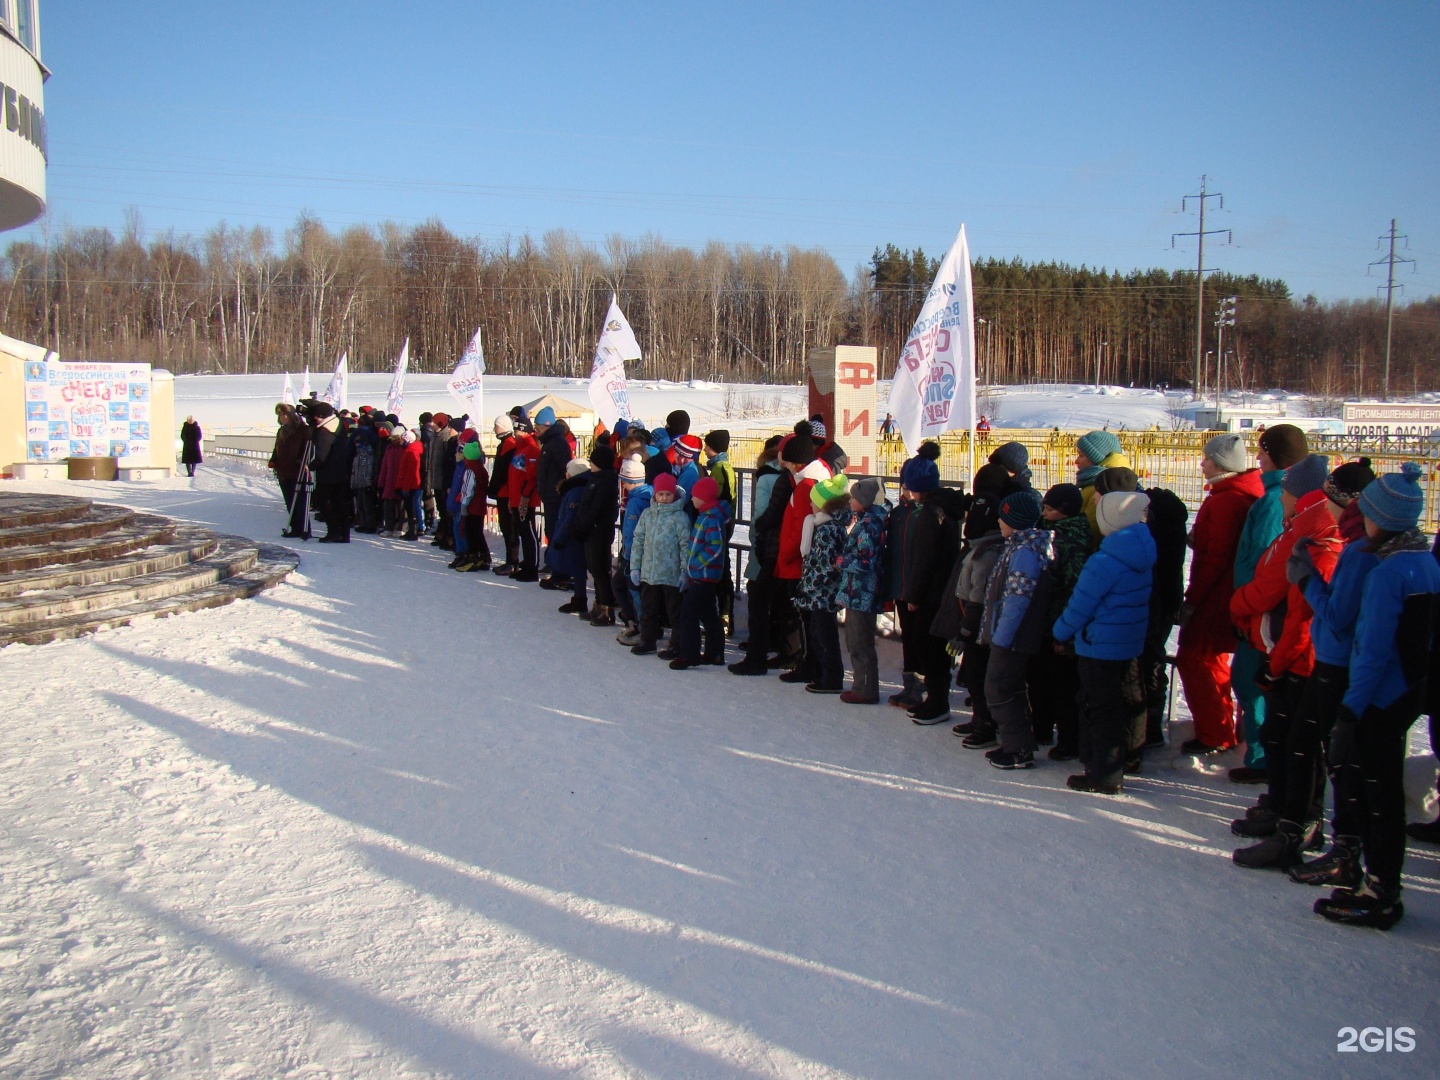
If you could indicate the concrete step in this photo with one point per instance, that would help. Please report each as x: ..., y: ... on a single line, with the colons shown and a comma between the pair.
x: 18, y: 510
x: 271, y: 565
x: 97, y: 521
x: 140, y: 532
x: 191, y: 543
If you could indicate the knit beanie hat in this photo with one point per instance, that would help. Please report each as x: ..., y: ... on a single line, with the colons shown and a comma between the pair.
x: 1286, y: 445
x: 798, y: 450
x: 632, y: 470
x: 503, y: 426
x: 718, y: 440
x: 1306, y: 475
x: 687, y: 447
x: 1012, y: 455
x: 575, y: 466
x: 1394, y: 501
x: 1118, y: 478
x: 707, y: 491
x: 990, y: 478
x: 1098, y: 445
x: 440, y: 420
x: 1346, y: 482
x: 833, y: 488
x: 867, y: 491
x: 622, y: 428
x: 665, y: 482
x: 1021, y: 509
x: 924, y: 475
x: 602, y: 456
x: 1228, y: 453
x: 817, y: 428
x: 409, y: 437
x: 471, y: 451
x: 545, y: 416
x: 678, y: 423
x: 1120, y: 509
x: 1066, y: 498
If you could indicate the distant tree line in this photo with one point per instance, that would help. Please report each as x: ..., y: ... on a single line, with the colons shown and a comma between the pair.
x: 236, y: 300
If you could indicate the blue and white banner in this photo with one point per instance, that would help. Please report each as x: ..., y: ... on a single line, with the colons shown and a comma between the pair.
x: 609, y: 392
x: 467, y: 381
x: 934, y: 387
x: 395, y: 398
x: 337, y: 392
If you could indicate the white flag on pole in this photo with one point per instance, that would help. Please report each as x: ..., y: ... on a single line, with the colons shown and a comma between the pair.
x: 934, y: 387
x: 337, y: 391
x: 467, y: 382
x: 288, y: 394
x: 395, y: 398
x: 609, y: 392
x: 305, y: 382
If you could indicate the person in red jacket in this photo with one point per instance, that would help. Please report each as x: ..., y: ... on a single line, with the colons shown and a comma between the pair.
x: 1275, y: 618
x: 1207, y: 639
x: 524, y: 494
x: 500, y: 492
x: 409, y: 484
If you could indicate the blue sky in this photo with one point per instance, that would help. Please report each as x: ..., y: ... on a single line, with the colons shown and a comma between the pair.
x: 1054, y: 131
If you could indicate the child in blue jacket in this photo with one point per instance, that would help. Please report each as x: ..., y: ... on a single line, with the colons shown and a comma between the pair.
x: 862, y: 587
x: 822, y: 544
x: 700, y: 586
x: 1389, y: 666
x: 1106, y: 618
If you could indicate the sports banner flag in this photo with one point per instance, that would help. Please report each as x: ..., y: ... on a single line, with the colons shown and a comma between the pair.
x: 467, y: 381
x: 305, y: 382
x: 609, y: 392
x: 288, y: 394
x: 934, y: 387
x: 337, y: 391
x: 395, y: 397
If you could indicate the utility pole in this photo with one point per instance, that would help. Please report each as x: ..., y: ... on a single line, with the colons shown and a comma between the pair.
x: 1224, y: 317
x: 1200, y: 269
x: 1390, y: 261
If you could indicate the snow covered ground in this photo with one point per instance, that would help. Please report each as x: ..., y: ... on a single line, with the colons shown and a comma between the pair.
x: 386, y: 820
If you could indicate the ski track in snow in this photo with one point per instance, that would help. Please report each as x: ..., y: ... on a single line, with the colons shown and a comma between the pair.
x: 390, y: 821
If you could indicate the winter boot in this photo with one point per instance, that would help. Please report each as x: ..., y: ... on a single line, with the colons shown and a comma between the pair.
x: 574, y: 606
x: 1427, y: 832
x: 1261, y: 825
x: 1087, y: 783
x: 980, y: 738
x: 912, y: 694
x: 629, y: 634
x: 1280, y: 851
x: 601, y: 616
x: 1020, y: 759
x: 1369, y: 905
x: 1261, y: 807
x: 458, y: 563
x: 477, y: 563
x: 1339, y: 867
x: 504, y: 569
x: 930, y: 711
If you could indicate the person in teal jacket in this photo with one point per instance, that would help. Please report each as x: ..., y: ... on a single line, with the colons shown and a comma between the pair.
x: 1280, y: 447
x: 1389, y: 668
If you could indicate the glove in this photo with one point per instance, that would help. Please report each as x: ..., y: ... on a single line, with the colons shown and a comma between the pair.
x: 1263, y: 679
x: 1342, y: 738
x: 1300, y: 566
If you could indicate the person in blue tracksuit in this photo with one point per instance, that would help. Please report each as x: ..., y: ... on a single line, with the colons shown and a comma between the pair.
x: 1280, y: 447
x: 1106, y: 618
x: 1389, y: 668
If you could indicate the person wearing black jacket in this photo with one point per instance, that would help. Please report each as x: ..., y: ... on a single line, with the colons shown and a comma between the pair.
x: 595, y: 526
x: 331, y: 466
x: 932, y: 544
x: 764, y: 550
x: 555, y: 453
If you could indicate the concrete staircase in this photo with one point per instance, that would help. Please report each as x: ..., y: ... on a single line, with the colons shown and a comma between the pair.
x: 69, y: 567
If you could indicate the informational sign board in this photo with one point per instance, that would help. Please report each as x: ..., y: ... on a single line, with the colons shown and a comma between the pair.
x: 86, y: 410
x: 842, y: 389
x: 1375, y: 419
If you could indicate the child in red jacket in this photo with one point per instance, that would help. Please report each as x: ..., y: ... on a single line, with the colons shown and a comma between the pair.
x: 523, y: 490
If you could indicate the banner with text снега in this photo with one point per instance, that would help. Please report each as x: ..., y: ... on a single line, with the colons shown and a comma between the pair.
x: 609, y: 392
x: 395, y: 397
x: 467, y: 382
x: 934, y: 387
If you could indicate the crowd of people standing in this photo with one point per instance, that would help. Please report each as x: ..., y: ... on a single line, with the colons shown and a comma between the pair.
x: 1306, y: 627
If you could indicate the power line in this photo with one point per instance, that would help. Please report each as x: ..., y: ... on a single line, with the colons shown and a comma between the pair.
x: 1390, y: 262
x: 1200, y: 269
